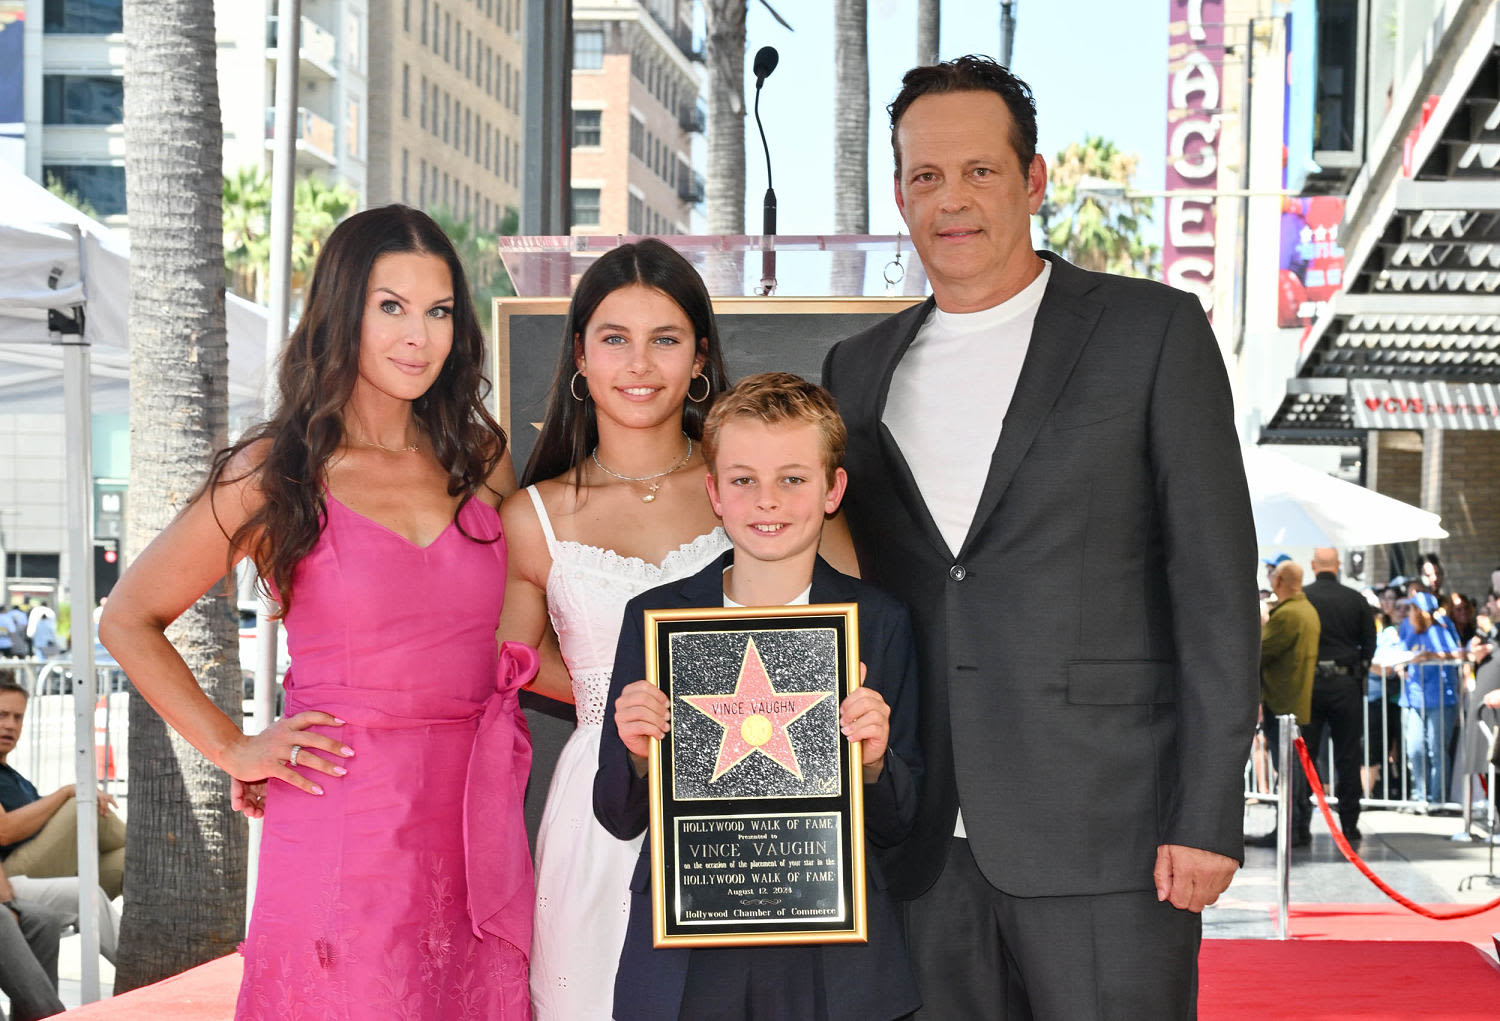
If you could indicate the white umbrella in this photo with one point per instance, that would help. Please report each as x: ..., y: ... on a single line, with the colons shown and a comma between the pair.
x: 1295, y: 505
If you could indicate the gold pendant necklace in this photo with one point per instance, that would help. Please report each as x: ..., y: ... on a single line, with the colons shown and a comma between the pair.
x: 651, y: 486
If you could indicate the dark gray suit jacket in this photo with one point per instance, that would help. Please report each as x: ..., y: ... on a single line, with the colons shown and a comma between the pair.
x: 1088, y: 658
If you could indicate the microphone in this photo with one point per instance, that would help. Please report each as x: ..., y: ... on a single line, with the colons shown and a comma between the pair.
x: 766, y: 59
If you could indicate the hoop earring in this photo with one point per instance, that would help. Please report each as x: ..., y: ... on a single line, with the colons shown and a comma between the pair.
x: 707, y: 389
x: 573, y: 386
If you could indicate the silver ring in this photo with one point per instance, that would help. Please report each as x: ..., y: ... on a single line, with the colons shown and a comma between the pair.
x: 296, y: 748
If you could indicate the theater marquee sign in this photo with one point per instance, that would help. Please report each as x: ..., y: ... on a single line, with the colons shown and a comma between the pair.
x: 1383, y: 404
x: 1194, y: 56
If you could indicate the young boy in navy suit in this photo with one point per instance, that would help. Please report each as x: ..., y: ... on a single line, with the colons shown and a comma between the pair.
x: 774, y: 446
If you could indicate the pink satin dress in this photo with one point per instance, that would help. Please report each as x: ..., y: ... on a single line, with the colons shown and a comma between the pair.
x: 405, y: 891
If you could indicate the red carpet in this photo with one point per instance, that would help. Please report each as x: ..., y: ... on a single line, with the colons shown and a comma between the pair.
x: 1388, y: 921
x: 1271, y: 980
x: 206, y: 993
x: 1241, y: 980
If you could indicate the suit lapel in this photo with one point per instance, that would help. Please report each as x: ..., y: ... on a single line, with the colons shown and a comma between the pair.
x: 1064, y: 321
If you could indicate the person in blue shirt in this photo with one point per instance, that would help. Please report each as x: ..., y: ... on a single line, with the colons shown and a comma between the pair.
x: 1429, y: 697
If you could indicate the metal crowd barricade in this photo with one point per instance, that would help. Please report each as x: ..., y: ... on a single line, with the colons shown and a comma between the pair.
x: 1391, y: 786
x: 45, y: 753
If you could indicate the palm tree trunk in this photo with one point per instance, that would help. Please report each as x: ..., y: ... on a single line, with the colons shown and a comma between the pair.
x: 185, y: 856
x: 927, y: 32
x: 851, y: 139
x: 724, y: 55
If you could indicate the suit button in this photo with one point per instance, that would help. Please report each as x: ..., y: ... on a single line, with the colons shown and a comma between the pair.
x: 957, y: 572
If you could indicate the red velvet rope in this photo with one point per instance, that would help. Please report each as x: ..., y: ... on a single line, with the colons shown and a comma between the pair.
x: 1358, y: 862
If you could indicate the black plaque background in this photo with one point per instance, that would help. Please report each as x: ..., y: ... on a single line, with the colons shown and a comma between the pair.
x: 664, y: 880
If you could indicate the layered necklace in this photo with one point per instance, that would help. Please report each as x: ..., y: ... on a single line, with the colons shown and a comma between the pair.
x: 652, y: 481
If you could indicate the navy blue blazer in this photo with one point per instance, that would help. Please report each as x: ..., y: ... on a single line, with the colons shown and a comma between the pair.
x: 864, y: 981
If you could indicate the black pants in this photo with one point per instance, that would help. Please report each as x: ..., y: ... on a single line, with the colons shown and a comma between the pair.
x: 1301, y: 809
x: 983, y: 955
x: 1338, y: 707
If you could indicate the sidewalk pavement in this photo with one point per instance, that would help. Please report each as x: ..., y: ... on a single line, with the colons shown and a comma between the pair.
x: 1414, y: 854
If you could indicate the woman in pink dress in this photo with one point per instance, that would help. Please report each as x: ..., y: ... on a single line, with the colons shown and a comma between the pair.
x: 395, y: 879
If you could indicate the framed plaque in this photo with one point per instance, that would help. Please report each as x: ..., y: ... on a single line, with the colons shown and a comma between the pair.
x: 757, y: 817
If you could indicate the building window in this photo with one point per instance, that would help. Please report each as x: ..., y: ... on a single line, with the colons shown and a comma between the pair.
x: 507, y: 4
x: 586, y: 207
x: 436, y: 126
x: 468, y: 131
x: 421, y: 184
x: 635, y: 215
x: 587, y: 127
x: 406, y: 91
x: 515, y: 92
x: 506, y: 73
x: 76, y: 99
x: 406, y: 16
x: 405, y: 176
x: 588, y: 49
x: 83, y: 17
x: 637, y: 138
x: 354, y: 33
x: 469, y: 55
x: 352, y: 146
x: 489, y: 70
x: 424, y: 22
x: 448, y: 37
x: 507, y: 158
x: 447, y: 117
x: 102, y: 186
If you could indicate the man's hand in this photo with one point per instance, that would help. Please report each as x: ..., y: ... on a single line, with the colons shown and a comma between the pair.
x: 1492, y: 699
x: 1190, y: 877
x: 642, y: 713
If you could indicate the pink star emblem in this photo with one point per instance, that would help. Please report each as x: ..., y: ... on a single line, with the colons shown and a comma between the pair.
x: 754, y: 717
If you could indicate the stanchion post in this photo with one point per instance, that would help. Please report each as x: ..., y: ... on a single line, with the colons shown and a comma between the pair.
x: 1286, y: 787
x: 1466, y: 786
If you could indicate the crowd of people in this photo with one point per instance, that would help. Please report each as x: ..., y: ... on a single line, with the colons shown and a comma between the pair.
x: 29, y: 630
x: 396, y: 879
x: 1382, y: 670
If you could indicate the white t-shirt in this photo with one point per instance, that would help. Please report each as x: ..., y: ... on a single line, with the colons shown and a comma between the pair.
x: 949, y: 396
x: 947, y: 403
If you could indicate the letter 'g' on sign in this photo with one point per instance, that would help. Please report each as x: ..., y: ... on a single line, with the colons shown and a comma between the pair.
x: 1204, y: 161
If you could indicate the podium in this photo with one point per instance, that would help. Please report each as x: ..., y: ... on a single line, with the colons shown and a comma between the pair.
x: 790, y: 330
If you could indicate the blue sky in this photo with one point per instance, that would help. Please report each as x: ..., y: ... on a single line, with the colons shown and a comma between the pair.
x: 1096, y: 66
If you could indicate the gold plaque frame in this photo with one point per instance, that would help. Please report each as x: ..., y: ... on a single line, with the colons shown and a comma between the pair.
x: 771, y: 810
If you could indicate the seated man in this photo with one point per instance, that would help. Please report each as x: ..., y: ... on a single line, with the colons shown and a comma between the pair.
x: 39, y: 836
x: 29, y: 935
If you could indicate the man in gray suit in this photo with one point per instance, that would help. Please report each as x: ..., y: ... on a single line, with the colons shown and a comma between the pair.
x: 1085, y: 746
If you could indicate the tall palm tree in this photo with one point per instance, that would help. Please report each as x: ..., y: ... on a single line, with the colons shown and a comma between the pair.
x: 1093, y: 226
x: 247, y: 230
x: 185, y: 853
x: 928, y: 23
x: 851, y: 138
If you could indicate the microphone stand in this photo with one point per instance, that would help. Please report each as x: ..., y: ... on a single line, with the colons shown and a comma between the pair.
x: 768, y: 212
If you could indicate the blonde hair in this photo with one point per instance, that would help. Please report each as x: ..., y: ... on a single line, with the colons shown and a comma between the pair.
x: 774, y: 398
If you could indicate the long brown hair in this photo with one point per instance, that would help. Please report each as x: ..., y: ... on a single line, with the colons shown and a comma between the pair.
x: 319, y: 367
x: 569, y: 429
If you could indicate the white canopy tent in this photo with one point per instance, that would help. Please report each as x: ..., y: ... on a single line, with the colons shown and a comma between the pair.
x: 55, y: 259
x: 1295, y: 505
x: 64, y: 346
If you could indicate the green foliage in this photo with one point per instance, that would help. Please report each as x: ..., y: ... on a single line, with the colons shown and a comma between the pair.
x: 1093, y: 230
x: 72, y: 198
x: 317, y: 209
x: 481, y: 259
